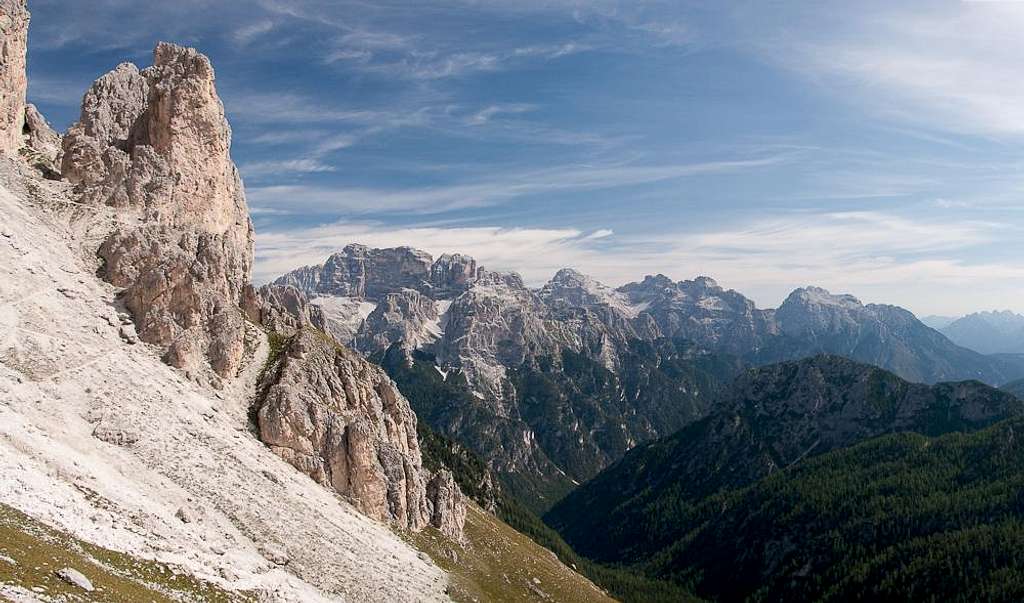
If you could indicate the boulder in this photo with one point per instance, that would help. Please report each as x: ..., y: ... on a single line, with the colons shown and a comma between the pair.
x: 75, y: 578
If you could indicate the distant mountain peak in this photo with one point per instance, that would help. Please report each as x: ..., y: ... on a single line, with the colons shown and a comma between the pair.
x: 990, y: 332
x: 823, y: 297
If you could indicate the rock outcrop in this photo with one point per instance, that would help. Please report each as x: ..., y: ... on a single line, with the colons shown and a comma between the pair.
x: 42, y: 143
x: 14, y: 18
x: 359, y: 271
x: 156, y: 143
x: 406, y: 317
x: 281, y: 309
x: 342, y: 421
x: 452, y: 274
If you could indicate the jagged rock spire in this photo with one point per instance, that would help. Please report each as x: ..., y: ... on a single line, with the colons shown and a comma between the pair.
x: 156, y: 143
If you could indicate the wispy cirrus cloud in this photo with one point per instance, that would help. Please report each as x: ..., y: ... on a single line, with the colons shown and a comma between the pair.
x: 433, y: 64
x: 425, y: 200
x: 950, y: 68
x: 246, y: 34
x: 488, y: 113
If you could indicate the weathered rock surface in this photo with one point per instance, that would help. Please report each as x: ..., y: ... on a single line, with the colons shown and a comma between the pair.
x: 498, y: 323
x: 452, y: 274
x: 406, y: 316
x: 156, y: 143
x: 14, y: 18
x: 342, y: 421
x: 283, y: 309
x: 42, y: 143
x: 448, y: 509
x: 359, y: 271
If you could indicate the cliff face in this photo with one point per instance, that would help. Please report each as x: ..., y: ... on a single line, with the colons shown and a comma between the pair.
x: 14, y: 18
x: 342, y: 421
x: 156, y: 143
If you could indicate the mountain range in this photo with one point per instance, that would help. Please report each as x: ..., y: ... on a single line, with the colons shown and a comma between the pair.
x: 560, y: 381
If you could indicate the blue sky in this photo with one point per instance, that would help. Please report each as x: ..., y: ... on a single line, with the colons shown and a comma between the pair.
x: 870, y: 148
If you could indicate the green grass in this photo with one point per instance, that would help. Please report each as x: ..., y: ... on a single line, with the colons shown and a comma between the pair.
x: 39, y: 551
x: 497, y: 563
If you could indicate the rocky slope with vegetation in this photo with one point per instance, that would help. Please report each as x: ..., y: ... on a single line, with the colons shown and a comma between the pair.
x: 772, y: 418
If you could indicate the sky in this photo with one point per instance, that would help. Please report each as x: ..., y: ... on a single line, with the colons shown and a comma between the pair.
x: 869, y: 148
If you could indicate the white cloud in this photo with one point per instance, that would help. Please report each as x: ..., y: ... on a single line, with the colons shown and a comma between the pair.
x: 952, y: 67
x: 486, y: 114
x: 565, y: 179
x: 243, y: 36
x: 259, y: 169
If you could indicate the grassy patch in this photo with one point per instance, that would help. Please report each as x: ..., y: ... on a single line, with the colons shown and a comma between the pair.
x: 499, y: 564
x: 39, y: 551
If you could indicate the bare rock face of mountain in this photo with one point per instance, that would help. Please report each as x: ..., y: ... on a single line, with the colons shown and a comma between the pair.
x: 14, y: 18
x: 156, y: 143
x: 281, y: 309
x: 452, y: 274
x: 342, y: 421
x: 498, y: 323
x: 359, y: 271
x: 405, y: 316
x: 703, y: 312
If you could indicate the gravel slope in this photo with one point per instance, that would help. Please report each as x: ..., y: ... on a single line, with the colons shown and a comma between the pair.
x: 170, y: 449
